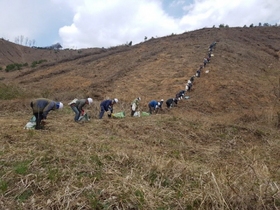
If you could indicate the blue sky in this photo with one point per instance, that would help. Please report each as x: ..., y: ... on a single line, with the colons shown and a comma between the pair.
x: 104, y: 23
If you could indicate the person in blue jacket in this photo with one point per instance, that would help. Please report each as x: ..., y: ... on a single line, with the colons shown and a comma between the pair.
x: 107, y: 106
x: 41, y: 108
x: 155, y: 105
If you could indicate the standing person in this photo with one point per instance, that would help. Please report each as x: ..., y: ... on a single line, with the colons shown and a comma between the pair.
x: 171, y: 102
x: 41, y: 108
x: 155, y: 105
x: 107, y: 106
x: 77, y: 107
x: 134, y: 105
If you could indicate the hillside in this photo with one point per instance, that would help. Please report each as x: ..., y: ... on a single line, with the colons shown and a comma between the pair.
x: 217, y: 150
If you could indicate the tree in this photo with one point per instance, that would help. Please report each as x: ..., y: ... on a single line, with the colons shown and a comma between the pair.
x: 252, y: 25
x: 21, y: 39
x: 145, y: 38
x: 26, y: 41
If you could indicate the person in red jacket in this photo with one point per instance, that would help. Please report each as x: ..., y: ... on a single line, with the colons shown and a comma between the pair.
x: 41, y: 108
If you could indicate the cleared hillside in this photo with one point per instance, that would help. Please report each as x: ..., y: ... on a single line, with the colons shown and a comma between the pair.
x: 217, y: 150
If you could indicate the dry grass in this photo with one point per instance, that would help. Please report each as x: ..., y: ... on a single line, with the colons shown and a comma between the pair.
x: 160, y: 162
x: 217, y: 150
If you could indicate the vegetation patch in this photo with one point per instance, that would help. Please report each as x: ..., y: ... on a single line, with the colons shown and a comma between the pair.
x: 15, y: 66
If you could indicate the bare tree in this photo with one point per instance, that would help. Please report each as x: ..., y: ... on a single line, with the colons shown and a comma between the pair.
x: 21, y: 39
x: 33, y: 42
x: 17, y: 40
x: 26, y: 41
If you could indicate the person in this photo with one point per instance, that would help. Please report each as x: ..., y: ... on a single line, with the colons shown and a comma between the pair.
x: 154, y: 106
x: 189, y: 86
x: 77, y: 107
x: 134, y: 105
x: 213, y: 45
x: 180, y: 95
x: 171, y: 102
x: 198, y: 73
x: 41, y: 108
x: 192, y: 78
x: 107, y: 106
x: 205, y: 61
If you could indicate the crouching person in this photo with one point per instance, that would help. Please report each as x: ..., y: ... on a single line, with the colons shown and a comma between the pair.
x: 134, y: 105
x: 171, y: 102
x: 107, y: 106
x: 41, y: 108
x: 77, y: 107
x: 154, y: 106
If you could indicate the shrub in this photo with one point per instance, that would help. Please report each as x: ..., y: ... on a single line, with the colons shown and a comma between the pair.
x: 35, y: 63
x: 15, y: 66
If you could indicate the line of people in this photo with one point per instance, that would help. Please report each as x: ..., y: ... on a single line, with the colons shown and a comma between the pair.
x: 42, y: 106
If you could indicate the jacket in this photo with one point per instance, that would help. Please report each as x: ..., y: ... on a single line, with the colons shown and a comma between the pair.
x: 136, y: 102
x: 80, y: 104
x: 153, y: 104
x: 43, y: 105
x: 107, y: 105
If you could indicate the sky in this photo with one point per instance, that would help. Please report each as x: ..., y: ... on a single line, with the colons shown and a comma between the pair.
x: 78, y: 24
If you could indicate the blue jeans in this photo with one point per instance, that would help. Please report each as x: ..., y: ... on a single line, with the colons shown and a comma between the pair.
x: 102, y: 110
x: 77, y: 113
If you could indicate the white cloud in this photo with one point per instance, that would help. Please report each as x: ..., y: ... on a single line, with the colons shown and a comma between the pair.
x: 105, y: 23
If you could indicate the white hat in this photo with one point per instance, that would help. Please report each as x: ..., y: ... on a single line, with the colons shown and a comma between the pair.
x: 139, y: 99
x: 59, y: 105
x: 90, y: 100
x: 161, y: 100
x: 116, y: 100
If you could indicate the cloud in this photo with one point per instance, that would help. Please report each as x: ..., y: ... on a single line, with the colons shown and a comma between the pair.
x: 203, y: 13
x: 104, y: 23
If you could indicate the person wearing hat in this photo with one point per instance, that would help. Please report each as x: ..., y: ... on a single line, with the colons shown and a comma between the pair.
x: 180, y: 95
x: 41, y: 108
x: 171, y: 102
x: 134, y: 105
x: 155, y: 105
x: 77, y: 107
x: 107, y: 106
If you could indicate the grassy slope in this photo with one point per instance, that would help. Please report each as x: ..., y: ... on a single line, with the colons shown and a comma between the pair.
x: 218, y: 150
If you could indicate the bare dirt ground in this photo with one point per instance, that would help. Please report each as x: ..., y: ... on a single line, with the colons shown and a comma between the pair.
x: 217, y: 150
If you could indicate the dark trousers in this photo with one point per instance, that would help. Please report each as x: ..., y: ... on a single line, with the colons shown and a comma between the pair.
x: 102, y: 110
x: 151, y: 109
x: 39, y: 117
x: 168, y: 104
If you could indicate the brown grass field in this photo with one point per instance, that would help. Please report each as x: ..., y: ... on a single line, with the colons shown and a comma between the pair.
x: 219, y: 149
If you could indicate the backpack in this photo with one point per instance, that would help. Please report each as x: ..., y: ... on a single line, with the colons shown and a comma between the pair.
x: 73, y: 101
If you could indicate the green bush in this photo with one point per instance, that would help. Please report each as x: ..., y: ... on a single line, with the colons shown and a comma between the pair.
x: 35, y: 63
x: 15, y: 66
